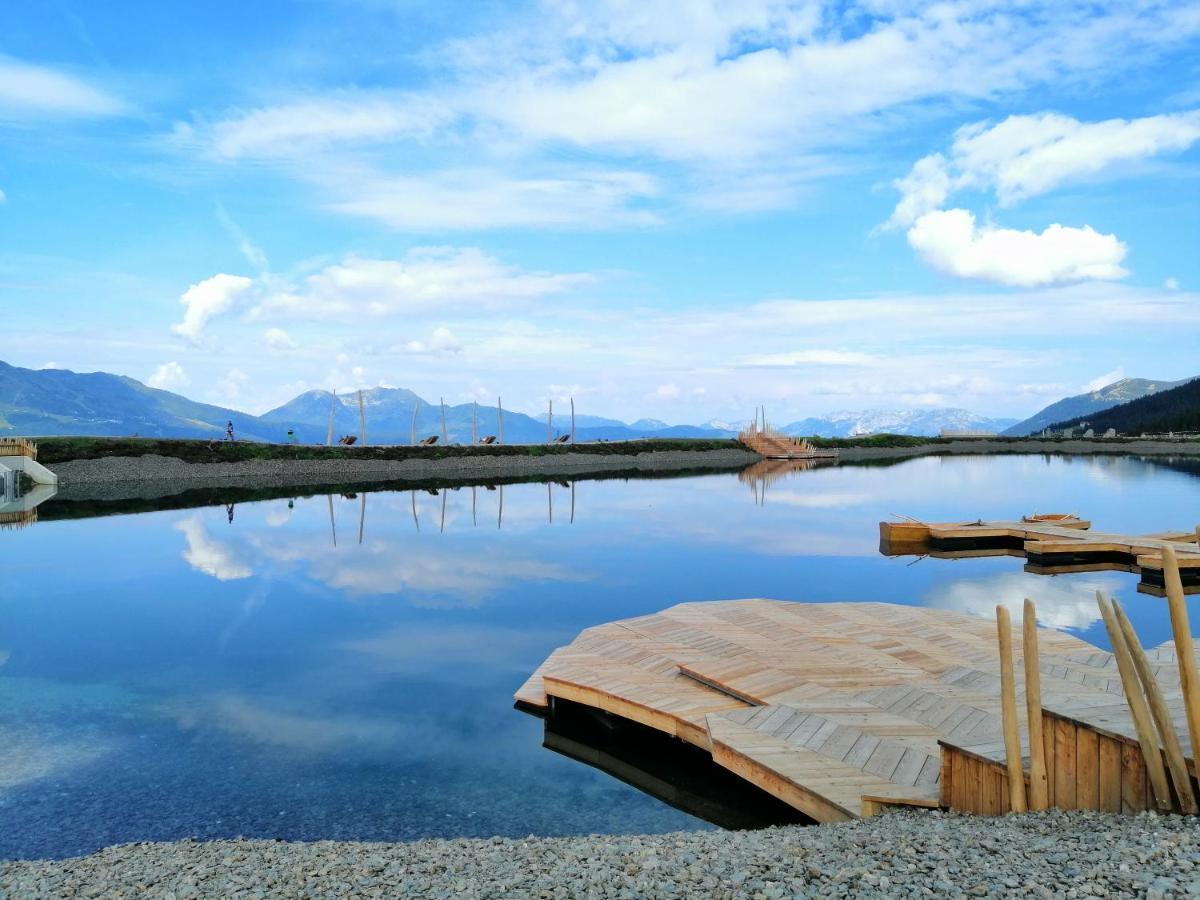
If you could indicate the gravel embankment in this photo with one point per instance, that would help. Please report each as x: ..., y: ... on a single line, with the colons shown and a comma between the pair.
x: 915, y: 854
x: 164, y: 470
x: 983, y: 447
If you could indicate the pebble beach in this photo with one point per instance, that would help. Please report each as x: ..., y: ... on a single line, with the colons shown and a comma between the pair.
x: 901, y: 854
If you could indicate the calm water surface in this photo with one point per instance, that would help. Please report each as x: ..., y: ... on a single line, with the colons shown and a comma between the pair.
x: 189, y: 673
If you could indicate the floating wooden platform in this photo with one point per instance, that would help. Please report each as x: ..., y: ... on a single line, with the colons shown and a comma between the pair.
x: 1051, y: 544
x: 841, y: 709
x: 773, y: 445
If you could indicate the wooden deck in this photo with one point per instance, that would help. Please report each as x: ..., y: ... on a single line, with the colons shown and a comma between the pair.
x: 1050, y: 547
x: 840, y: 709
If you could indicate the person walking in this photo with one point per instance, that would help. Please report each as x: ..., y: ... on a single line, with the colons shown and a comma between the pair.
x: 229, y: 430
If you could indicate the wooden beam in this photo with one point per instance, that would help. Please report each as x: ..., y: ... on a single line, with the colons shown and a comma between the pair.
x: 1039, y: 788
x: 1189, y: 680
x: 1162, y: 716
x: 362, y: 419
x: 1008, y: 713
x: 1151, y: 753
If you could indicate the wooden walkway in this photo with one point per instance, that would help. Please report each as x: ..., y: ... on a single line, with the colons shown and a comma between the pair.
x: 1051, y: 547
x: 840, y: 709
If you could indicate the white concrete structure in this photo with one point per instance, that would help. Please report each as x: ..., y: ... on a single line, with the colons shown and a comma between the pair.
x: 31, y: 467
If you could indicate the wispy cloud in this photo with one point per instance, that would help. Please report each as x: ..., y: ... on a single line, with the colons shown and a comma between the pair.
x: 29, y: 90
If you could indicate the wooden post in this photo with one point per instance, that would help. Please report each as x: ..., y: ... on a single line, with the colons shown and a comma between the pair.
x: 550, y: 424
x: 500, y: 509
x: 442, y: 530
x: 332, y: 523
x: 474, y: 422
x: 572, y: 502
x: 362, y: 419
x: 1189, y: 680
x: 416, y: 521
x: 1162, y: 716
x: 412, y: 440
x: 1147, y: 739
x: 1008, y: 713
x: 1039, y: 787
x: 445, y: 439
x: 332, y: 408
x: 500, y: 420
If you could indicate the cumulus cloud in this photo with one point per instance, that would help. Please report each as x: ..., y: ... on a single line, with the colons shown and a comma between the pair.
x: 210, y: 556
x: 1103, y: 381
x: 209, y: 298
x: 667, y: 392
x: 950, y: 241
x: 1060, y: 604
x: 440, y: 340
x: 27, y: 89
x: 278, y: 339
x: 428, y: 279
x: 168, y: 377
x: 1024, y: 156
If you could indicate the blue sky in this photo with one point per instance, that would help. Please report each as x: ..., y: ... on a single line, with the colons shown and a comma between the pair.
x: 660, y: 208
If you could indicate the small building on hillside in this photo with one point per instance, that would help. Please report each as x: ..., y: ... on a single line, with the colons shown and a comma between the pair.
x: 966, y: 433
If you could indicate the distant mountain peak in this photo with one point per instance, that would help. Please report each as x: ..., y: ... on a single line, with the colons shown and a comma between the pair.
x: 1090, y: 403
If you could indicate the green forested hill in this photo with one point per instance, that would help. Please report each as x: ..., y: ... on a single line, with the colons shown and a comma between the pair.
x: 1175, y: 410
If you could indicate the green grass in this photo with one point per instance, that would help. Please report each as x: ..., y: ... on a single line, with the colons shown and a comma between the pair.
x: 53, y: 450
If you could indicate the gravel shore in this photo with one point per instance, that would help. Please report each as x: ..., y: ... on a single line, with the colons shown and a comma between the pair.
x: 905, y: 854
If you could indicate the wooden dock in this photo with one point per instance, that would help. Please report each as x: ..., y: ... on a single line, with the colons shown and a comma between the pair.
x: 1051, y: 545
x: 842, y: 709
x: 775, y: 445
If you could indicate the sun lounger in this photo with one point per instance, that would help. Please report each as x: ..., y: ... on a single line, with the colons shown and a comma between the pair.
x: 490, y: 439
x: 429, y: 441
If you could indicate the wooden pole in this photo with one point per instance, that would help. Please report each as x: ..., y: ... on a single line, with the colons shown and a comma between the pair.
x: 332, y: 408
x: 362, y: 419
x: 474, y: 521
x: 572, y: 503
x: 332, y: 523
x: 1147, y: 739
x: 474, y: 422
x: 1162, y: 716
x: 572, y: 420
x: 1008, y: 713
x: 1039, y: 786
x: 442, y: 530
x: 416, y: 521
x: 500, y: 419
x: 1189, y: 680
x: 550, y: 423
x: 412, y: 440
x: 445, y: 439
x: 500, y: 510
x: 549, y: 503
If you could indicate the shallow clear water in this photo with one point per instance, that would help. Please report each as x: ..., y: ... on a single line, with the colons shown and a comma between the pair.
x: 182, y: 673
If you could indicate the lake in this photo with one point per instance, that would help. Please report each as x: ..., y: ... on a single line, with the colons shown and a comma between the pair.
x: 342, y: 666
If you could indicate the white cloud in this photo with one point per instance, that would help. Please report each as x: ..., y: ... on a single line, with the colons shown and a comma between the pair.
x: 27, y: 89
x: 3, y: 197
x: 1171, y: 284
x: 464, y: 199
x: 440, y: 340
x: 209, y: 298
x: 210, y: 556
x: 228, y: 388
x: 808, y: 358
x: 950, y: 241
x: 667, y: 392
x: 426, y: 280
x: 1103, y: 381
x: 1060, y: 604
x: 169, y: 377
x: 1024, y: 156
x: 278, y: 339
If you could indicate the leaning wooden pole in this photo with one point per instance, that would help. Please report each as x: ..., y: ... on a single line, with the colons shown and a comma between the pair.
x: 1008, y: 713
x: 362, y: 419
x: 1176, y: 764
x: 474, y: 422
x: 550, y: 423
x: 1138, y: 709
x: 1181, y: 629
x: 445, y: 439
x: 1039, y: 785
x: 412, y: 437
x: 500, y: 420
x: 572, y: 420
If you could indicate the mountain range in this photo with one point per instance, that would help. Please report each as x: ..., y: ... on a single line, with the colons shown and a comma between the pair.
x: 58, y: 402
x: 1169, y: 409
x: 1111, y: 395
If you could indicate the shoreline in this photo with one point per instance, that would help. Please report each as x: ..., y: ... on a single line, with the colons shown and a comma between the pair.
x: 1053, y: 853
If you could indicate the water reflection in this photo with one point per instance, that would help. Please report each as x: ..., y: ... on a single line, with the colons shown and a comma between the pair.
x: 315, y: 669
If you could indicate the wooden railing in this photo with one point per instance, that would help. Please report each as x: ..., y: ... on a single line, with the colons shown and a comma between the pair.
x: 18, y: 447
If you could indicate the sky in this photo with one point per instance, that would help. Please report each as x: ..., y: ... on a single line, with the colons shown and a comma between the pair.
x: 671, y: 209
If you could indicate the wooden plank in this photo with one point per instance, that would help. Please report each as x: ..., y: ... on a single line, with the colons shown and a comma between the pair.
x: 1133, y: 780
x: 1087, y: 769
x: 1108, y: 775
x: 1064, y: 764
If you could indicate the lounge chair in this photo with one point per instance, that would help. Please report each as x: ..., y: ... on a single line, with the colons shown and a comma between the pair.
x: 348, y: 439
x: 562, y: 439
x: 490, y: 439
x: 429, y: 441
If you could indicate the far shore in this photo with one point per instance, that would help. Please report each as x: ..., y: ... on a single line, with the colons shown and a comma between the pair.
x: 111, y: 467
